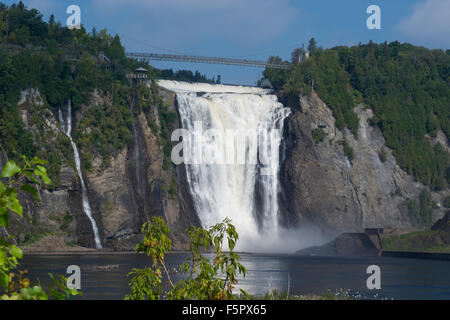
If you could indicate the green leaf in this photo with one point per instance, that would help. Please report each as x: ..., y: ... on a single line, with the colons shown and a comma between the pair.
x: 30, y: 176
x: 42, y: 169
x: 4, y: 217
x: 3, y: 256
x: 14, y: 205
x: 43, y: 174
x: 38, y: 161
x: 31, y: 190
x: 25, y: 292
x: 4, y: 279
x: 16, y: 252
x: 10, y: 169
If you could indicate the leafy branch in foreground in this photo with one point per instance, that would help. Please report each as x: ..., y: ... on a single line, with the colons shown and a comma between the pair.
x: 14, y: 282
x: 206, y: 279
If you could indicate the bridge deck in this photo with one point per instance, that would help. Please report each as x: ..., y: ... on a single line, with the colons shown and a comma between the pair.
x: 201, y: 59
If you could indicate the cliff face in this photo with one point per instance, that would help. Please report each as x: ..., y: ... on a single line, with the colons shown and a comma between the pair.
x: 125, y: 194
x: 135, y: 188
x: 322, y: 186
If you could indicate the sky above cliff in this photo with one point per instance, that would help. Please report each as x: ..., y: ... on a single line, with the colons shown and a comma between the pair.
x: 253, y: 29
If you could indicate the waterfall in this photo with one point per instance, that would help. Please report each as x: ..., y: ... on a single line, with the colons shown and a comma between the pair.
x: 137, y: 154
x: 241, y: 185
x: 66, y: 127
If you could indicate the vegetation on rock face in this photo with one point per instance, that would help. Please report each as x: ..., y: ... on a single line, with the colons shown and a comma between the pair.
x: 348, y: 151
x: 420, y: 241
x: 62, y: 64
x: 422, y: 213
x: 407, y: 88
x: 13, y: 282
x: 105, y: 128
x: 160, y: 122
x: 318, y: 135
x: 206, y: 279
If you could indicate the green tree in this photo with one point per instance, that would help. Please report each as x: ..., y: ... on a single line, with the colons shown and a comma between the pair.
x: 312, y: 46
x: 205, y: 279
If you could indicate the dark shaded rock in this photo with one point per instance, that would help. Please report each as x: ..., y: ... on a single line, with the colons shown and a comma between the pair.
x: 443, y: 224
x: 347, y: 244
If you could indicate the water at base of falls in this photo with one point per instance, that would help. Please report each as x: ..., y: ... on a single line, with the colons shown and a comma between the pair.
x: 247, y: 193
x: 67, y: 129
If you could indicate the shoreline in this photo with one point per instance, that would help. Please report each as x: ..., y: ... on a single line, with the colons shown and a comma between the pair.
x: 385, y: 254
x: 87, y: 252
x: 416, y: 255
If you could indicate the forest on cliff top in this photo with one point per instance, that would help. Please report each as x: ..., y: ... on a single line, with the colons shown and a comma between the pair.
x: 406, y: 86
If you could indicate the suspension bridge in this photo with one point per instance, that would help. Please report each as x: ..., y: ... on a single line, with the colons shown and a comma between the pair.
x: 202, y: 59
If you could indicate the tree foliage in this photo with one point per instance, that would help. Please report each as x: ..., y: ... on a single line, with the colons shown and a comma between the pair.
x: 185, y: 75
x: 15, y: 284
x: 407, y: 88
x: 62, y: 64
x: 206, y: 277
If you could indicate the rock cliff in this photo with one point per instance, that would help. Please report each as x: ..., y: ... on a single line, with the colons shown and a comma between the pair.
x: 321, y: 183
x: 123, y: 195
x: 324, y: 186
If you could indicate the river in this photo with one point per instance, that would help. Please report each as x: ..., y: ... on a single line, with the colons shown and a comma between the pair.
x: 400, y: 278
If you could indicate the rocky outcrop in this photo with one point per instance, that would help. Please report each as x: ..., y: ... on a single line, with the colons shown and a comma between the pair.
x: 443, y: 224
x: 347, y: 244
x: 124, y: 195
x: 322, y: 186
x: 134, y: 188
x: 31, y: 96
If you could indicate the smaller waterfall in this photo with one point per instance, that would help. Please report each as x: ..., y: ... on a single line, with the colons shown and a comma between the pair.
x: 66, y: 127
x: 137, y: 155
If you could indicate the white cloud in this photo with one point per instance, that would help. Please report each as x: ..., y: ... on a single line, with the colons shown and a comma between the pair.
x: 429, y: 24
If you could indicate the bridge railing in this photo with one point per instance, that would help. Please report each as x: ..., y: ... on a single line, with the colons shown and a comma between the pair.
x: 202, y: 59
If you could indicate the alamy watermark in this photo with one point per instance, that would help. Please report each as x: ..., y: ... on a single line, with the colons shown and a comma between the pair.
x: 374, y: 280
x: 74, y: 20
x: 74, y: 279
x: 229, y: 147
x: 374, y: 20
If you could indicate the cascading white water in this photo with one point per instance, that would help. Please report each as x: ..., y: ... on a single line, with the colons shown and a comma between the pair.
x: 67, y: 129
x: 246, y: 191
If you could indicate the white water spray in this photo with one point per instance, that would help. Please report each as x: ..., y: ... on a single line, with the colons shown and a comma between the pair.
x: 67, y: 129
x: 238, y: 191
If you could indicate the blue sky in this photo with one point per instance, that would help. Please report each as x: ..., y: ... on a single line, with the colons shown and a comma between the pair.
x: 253, y: 29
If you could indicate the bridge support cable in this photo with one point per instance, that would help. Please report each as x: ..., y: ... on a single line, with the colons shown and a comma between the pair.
x: 210, y: 60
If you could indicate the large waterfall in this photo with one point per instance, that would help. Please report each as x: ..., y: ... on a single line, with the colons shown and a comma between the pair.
x: 228, y: 178
x: 66, y: 127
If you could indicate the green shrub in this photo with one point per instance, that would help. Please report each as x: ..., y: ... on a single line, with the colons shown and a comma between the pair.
x: 348, y: 151
x: 66, y: 221
x: 318, y: 135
